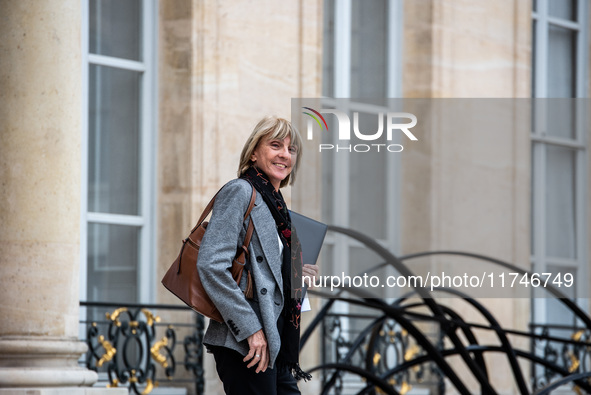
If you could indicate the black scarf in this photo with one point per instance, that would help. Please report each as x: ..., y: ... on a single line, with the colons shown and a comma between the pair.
x: 291, y: 271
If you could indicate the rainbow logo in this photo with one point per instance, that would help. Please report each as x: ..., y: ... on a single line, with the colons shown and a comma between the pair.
x: 315, y: 118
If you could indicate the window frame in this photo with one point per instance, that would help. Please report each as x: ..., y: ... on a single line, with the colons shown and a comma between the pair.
x: 342, y: 89
x: 146, y: 219
x: 341, y: 245
x: 540, y: 260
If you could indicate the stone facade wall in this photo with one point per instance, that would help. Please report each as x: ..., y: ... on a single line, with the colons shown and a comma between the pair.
x: 469, y: 190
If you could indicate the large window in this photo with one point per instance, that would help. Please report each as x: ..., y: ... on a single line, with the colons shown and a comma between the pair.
x: 559, y: 172
x: 362, y: 47
x: 118, y: 150
x: 362, y: 60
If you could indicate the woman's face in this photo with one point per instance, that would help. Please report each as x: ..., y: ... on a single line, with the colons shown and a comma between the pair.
x: 275, y: 157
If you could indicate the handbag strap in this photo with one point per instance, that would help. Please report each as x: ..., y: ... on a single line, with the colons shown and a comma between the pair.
x: 248, y: 234
x: 250, y: 228
x: 209, y: 207
x: 244, y: 249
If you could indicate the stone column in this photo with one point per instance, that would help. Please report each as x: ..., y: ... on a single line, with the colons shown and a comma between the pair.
x: 40, y: 184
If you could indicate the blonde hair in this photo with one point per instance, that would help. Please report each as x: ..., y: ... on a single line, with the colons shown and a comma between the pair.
x: 271, y: 127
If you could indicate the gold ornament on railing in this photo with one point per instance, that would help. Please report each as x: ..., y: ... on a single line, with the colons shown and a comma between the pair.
x: 376, y: 358
x: 405, y: 388
x: 411, y: 352
x: 149, y: 386
x: 155, y: 352
x: 577, y: 335
x: 110, y: 351
x: 150, y: 317
x: 574, y: 363
x: 115, y: 315
x: 113, y: 384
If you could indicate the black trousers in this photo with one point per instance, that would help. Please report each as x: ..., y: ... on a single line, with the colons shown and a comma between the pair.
x: 240, y: 380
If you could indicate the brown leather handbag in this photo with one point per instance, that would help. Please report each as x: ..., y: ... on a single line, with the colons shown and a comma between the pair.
x: 182, y: 278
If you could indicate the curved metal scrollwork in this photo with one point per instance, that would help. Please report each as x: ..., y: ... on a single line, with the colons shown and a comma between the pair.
x: 392, y: 351
x: 130, y: 353
x: 573, y: 354
x: 414, y: 341
x: 129, y: 336
x: 194, y: 353
x: 166, y: 345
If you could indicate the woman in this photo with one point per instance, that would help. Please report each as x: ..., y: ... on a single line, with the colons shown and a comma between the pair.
x: 256, y: 348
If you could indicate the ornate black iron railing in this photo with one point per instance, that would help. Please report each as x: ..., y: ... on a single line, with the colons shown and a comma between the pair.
x: 397, y: 327
x: 385, y: 347
x: 130, y: 345
x: 361, y: 348
x: 562, y: 345
x: 376, y: 344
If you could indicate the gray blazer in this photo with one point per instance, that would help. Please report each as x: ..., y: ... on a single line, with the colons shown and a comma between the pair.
x: 225, y: 233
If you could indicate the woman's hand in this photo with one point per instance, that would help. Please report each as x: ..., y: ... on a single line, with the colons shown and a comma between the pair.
x: 258, y: 351
x: 309, y: 273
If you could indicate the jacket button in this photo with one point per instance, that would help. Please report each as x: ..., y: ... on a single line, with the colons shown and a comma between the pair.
x: 264, y: 291
x: 259, y: 258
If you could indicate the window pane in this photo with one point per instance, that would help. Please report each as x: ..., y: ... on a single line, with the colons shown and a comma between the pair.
x: 565, y: 9
x: 369, y: 43
x: 561, y: 62
x: 560, y: 118
x: 533, y: 57
x: 328, y: 52
x: 115, y: 28
x: 368, y: 180
x: 112, y: 263
x: 532, y: 220
x: 114, y: 141
x: 556, y: 313
x: 560, y: 202
x: 329, y: 177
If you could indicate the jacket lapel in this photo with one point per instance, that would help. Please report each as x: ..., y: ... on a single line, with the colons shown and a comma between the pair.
x: 267, y: 233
